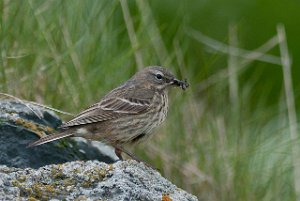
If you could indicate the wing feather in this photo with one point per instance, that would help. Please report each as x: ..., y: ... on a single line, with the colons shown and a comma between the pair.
x: 112, y: 107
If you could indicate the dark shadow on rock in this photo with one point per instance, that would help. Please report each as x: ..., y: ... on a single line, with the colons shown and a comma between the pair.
x: 19, y: 124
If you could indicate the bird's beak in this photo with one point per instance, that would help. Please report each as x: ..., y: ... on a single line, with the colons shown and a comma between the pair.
x: 180, y: 83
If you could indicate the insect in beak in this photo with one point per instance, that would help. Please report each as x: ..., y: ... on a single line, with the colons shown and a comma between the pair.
x: 181, y: 83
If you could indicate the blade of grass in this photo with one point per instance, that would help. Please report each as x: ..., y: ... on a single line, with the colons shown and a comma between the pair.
x: 289, y: 95
x: 75, y: 59
x: 223, y: 48
x: 132, y: 34
x: 252, y: 56
x: 232, y: 66
x: 153, y: 31
x: 37, y: 104
x: 51, y: 44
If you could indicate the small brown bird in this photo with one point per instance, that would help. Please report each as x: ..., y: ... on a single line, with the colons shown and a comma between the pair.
x: 127, y: 114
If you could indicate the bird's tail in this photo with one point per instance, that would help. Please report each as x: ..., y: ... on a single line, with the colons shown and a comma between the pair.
x: 49, y: 138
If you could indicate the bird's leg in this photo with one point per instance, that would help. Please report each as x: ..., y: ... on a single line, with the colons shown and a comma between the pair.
x: 131, y: 155
x: 119, y: 150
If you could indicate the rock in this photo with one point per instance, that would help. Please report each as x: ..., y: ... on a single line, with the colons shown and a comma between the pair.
x: 19, y: 124
x: 90, y: 180
x: 87, y: 179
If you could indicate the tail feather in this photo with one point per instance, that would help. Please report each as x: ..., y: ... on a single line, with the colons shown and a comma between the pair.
x: 49, y: 138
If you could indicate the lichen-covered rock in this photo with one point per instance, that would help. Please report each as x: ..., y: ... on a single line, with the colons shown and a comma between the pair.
x: 90, y: 180
x: 21, y: 122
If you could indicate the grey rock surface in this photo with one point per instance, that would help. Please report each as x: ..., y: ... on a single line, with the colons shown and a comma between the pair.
x: 84, y: 179
x: 90, y: 180
x: 19, y: 124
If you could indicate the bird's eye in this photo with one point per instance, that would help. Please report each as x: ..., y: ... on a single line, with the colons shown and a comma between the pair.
x: 159, y: 76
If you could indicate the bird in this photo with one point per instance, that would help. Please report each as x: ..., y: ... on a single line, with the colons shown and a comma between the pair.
x: 126, y: 115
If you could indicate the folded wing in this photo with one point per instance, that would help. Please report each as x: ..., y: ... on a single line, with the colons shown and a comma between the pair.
x: 112, y: 107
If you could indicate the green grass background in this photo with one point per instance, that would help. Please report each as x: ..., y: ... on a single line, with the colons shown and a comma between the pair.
x: 222, y: 140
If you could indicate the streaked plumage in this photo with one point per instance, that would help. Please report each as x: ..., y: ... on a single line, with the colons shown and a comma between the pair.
x: 127, y: 114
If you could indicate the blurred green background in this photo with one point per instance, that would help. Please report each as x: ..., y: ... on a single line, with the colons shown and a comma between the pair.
x: 230, y: 136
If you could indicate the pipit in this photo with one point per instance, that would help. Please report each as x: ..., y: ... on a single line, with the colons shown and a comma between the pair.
x: 127, y: 114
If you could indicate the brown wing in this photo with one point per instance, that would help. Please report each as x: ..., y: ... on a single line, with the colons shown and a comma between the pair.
x: 119, y: 102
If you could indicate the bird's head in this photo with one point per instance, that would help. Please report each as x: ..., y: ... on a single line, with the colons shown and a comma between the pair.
x: 159, y: 78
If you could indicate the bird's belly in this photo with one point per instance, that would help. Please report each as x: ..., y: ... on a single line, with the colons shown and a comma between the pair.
x: 129, y: 129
